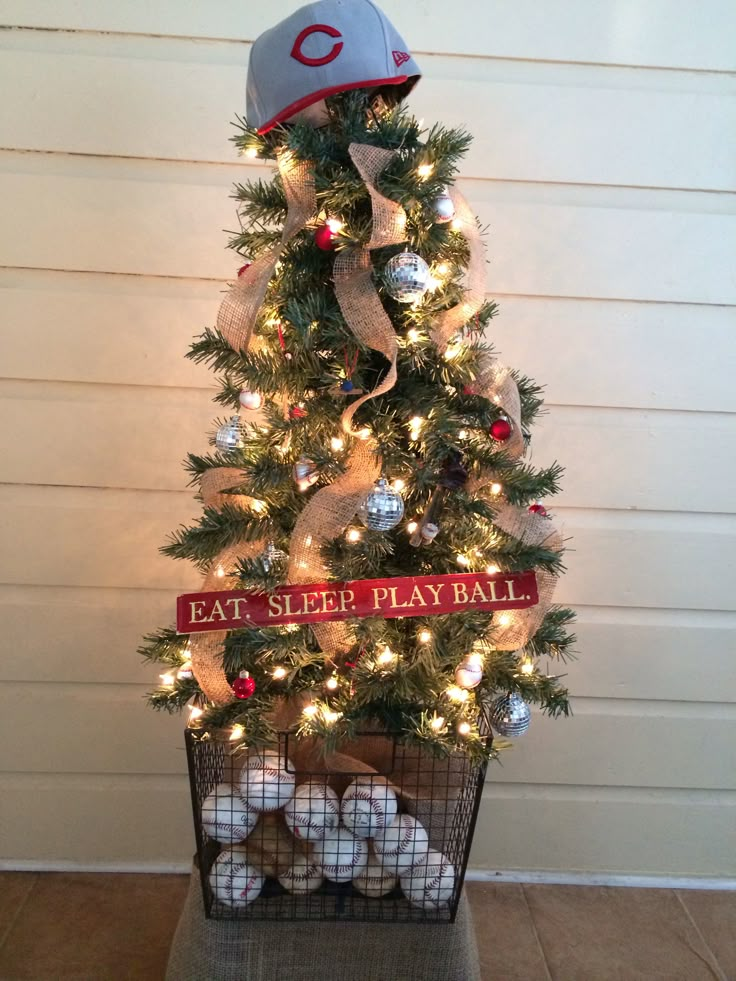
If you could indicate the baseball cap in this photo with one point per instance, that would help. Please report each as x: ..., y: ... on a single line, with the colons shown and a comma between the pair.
x: 322, y: 49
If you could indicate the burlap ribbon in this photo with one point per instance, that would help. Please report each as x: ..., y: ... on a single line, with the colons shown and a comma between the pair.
x: 449, y: 322
x: 239, y: 310
x: 515, y: 628
x: 496, y: 383
x: 332, y: 508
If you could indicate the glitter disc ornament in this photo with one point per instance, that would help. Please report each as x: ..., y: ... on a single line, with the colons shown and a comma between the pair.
x: 510, y: 715
x: 250, y: 400
x: 444, y: 209
x: 272, y: 556
x: 383, y: 508
x: 501, y: 429
x: 230, y: 436
x: 244, y: 686
x: 407, y: 277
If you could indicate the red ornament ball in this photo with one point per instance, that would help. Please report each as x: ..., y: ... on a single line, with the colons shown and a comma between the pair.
x: 325, y: 238
x: 243, y: 268
x: 298, y: 412
x: 539, y: 509
x: 501, y: 430
x: 469, y: 390
x: 244, y: 686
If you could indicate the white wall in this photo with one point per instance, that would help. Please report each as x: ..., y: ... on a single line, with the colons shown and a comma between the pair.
x: 604, y: 163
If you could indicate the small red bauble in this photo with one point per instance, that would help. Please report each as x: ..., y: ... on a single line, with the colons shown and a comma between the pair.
x: 243, y: 268
x: 539, y: 509
x: 469, y: 390
x: 298, y: 412
x: 325, y: 238
x: 244, y: 686
x: 501, y: 430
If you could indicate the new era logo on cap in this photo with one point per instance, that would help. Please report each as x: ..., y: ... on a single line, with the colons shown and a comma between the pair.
x: 322, y: 49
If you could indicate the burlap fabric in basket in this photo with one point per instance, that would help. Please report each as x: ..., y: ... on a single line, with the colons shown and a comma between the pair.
x: 215, y: 950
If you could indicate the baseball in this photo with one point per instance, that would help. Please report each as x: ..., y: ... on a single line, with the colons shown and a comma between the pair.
x: 312, y: 812
x: 368, y: 806
x: 225, y: 815
x: 403, y: 843
x: 341, y: 855
x: 264, y: 783
x: 303, y: 876
x: 234, y: 882
x: 375, y: 880
x: 430, y: 883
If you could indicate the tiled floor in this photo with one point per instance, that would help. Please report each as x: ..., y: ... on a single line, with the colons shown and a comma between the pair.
x: 59, y: 927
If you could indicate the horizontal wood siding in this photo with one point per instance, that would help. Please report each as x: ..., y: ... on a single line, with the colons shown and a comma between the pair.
x: 604, y: 168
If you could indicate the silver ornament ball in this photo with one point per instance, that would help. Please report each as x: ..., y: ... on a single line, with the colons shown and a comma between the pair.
x: 444, y: 209
x: 251, y: 400
x: 383, y: 508
x: 510, y: 715
x: 230, y: 436
x: 272, y: 556
x: 406, y: 277
x: 305, y: 472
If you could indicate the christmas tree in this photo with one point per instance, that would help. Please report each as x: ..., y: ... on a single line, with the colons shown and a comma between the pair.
x: 369, y: 433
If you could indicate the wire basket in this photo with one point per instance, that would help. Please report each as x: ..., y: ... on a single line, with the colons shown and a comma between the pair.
x: 380, y: 831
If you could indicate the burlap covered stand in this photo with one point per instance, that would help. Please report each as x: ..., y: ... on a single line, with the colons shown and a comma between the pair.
x: 257, y: 950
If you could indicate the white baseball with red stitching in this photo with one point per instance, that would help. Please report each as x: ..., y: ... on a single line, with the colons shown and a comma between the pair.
x: 375, y: 880
x: 368, y: 806
x: 264, y: 783
x: 234, y: 881
x: 430, y: 883
x: 341, y: 855
x: 403, y: 843
x: 312, y: 812
x: 225, y: 815
x: 303, y: 876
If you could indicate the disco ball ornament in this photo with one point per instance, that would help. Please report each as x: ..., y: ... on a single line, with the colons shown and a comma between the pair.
x: 272, y: 556
x: 510, y: 715
x: 444, y: 209
x: 383, y: 508
x: 230, y: 436
x: 406, y: 277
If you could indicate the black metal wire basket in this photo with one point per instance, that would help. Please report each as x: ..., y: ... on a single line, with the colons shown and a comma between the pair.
x: 380, y: 831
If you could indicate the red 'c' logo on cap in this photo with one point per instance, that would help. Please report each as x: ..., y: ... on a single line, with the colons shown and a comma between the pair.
x: 296, y: 51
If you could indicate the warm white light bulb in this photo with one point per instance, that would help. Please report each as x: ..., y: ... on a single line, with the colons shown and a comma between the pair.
x: 527, y: 667
x: 237, y: 732
x: 452, y: 351
x: 167, y: 680
x: 330, y: 717
x: 425, y: 170
x: 195, y: 712
x: 492, y: 570
x: 412, y: 527
x: 416, y: 422
x: 258, y: 506
x: 425, y: 636
x: 251, y: 152
x: 413, y: 335
x: 332, y: 683
x: 504, y: 620
x: 463, y: 560
x: 456, y: 225
x: 438, y: 723
x: 364, y: 433
x: 279, y: 674
x: 220, y: 572
x: 443, y: 269
x: 386, y: 657
x: 463, y: 434
x: 353, y: 535
x: 496, y: 489
x: 399, y: 484
x: 457, y: 694
x: 310, y: 711
x: 464, y: 728
x: 337, y: 444
x: 335, y: 225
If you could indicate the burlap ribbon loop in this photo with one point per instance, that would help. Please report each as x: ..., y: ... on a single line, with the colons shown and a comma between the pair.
x: 239, y: 310
x: 449, y: 322
x: 496, y: 383
x: 389, y: 218
x: 516, y: 627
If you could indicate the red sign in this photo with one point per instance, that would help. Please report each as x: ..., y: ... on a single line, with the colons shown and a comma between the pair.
x: 412, y: 596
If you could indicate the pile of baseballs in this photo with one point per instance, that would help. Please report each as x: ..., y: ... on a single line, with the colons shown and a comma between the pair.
x: 363, y: 838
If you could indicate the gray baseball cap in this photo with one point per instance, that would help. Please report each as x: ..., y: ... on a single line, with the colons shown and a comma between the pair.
x: 322, y: 49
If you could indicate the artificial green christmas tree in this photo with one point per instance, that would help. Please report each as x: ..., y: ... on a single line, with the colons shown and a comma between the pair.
x: 369, y: 358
